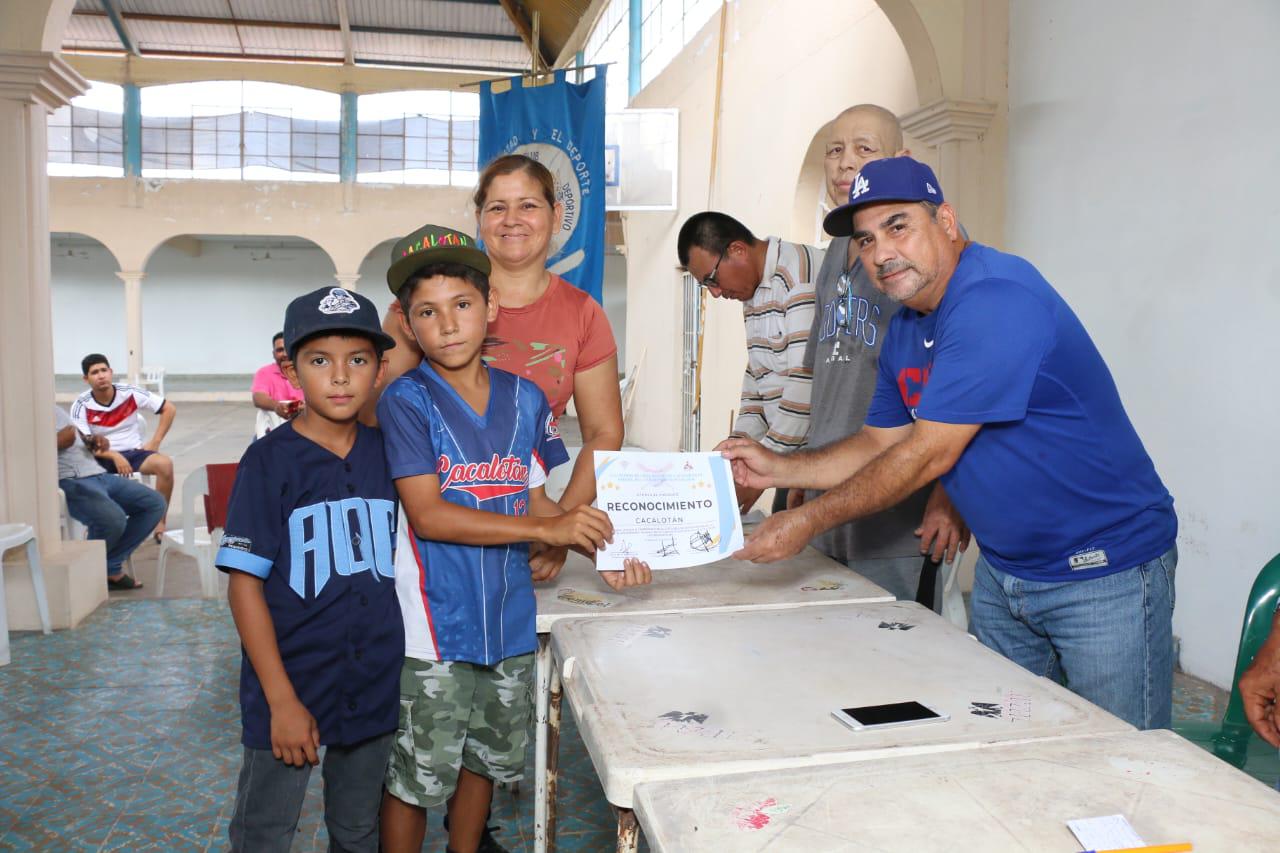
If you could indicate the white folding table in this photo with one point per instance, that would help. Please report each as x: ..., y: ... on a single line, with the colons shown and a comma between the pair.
x: 686, y: 695
x: 1006, y: 798
x: 809, y: 579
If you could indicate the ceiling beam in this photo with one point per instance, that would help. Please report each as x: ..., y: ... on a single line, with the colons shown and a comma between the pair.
x: 304, y: 25
x: 408, y: 31
x: 515, y: 11
x: 581, y: 32
x: 344, y: 21
x: 148, y: 53
x: 111, y: 8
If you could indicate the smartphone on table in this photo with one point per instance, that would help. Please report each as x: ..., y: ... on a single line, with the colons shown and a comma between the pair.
x: 888, y: 716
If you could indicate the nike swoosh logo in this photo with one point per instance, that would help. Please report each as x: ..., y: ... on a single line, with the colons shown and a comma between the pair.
x: 928, y: 344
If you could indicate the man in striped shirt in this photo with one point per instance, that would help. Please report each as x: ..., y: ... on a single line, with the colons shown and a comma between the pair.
x: 774, y: 281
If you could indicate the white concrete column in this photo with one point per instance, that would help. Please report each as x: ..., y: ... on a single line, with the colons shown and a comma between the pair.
x: 347, y: 280
x: 31, y: 85
x: 955, y: 128
x: 133, y: 321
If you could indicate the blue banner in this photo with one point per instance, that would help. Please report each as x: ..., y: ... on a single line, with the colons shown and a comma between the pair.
x: 561, y: 125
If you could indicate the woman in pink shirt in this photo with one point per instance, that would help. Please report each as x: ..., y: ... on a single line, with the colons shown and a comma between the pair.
x: 547, y: 329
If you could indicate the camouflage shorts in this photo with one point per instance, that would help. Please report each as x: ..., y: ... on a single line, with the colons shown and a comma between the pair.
x: 455, y: 714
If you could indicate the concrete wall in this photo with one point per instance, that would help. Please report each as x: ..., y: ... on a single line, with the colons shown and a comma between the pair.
x: 1142, y: 176
x: 770, y: 111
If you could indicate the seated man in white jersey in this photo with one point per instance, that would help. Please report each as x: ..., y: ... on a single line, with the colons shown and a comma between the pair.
x: 110, y: 410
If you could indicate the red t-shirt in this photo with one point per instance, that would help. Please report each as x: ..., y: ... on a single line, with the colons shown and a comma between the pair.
x: 550, y: 340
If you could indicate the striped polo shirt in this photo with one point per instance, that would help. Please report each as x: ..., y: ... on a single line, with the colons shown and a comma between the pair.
x: 774, y: 407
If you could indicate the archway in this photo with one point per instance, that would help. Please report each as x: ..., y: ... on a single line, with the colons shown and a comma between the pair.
x: 87, y: 303
x: 213, y: 301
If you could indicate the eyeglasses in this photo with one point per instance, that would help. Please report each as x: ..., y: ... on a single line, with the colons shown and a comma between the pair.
x: 709, y: 280
x: 844, y: 308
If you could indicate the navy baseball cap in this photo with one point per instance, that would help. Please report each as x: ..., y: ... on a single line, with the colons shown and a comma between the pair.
x: 891, y: 179
x: 333, y: 310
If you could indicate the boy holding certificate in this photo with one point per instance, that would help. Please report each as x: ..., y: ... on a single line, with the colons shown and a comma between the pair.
x: 469, y: 448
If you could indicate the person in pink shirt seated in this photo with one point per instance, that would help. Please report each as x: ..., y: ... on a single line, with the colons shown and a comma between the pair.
x: 277, y: 399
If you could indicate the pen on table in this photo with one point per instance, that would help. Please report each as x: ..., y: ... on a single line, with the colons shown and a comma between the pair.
x: 1157, y: 848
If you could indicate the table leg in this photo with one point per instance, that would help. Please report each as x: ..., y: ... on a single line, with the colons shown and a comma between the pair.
x: 628, y: 831
x: 542, y: 688
x: 555, y: 695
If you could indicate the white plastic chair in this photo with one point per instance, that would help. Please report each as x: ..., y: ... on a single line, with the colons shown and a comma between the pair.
x: 71, y: 528
x: 11, y: 536
x: 153, y: 376
x: 197, y: 542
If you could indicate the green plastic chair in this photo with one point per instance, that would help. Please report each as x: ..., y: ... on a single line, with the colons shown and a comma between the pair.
x: 1234, y: 741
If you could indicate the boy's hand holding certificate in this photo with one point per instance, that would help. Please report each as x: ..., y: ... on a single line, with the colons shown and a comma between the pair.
x: 672, y: 510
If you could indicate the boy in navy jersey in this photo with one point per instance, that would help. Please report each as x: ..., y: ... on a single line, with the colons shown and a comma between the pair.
x: 309, y: 544
x: 469, y: 448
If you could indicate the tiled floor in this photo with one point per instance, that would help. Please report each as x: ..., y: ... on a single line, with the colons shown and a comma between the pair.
x: 123, y: 735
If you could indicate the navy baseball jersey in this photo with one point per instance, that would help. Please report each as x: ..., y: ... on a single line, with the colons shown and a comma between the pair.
x: 321, y: 531
x: 468, y: 602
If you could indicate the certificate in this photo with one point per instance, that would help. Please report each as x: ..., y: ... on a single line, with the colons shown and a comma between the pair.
x: 672, y: 510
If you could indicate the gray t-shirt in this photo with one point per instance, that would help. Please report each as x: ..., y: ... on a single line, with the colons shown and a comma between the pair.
x: 844, y: 347
x: 76, y: 461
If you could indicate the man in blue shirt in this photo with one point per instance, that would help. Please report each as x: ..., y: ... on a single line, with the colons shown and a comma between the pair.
x: 988, y: 380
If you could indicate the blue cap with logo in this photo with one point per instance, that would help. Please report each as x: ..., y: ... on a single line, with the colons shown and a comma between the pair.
x: 333, y: 310
x: 891, y: 179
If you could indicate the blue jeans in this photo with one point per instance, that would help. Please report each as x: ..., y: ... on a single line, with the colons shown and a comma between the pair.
x: 120, y: 511
x: 1110, y: 638
x: 269, y: 798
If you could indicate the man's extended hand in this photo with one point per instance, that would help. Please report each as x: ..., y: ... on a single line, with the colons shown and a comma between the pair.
x: 753, y: 466
x: 781, y: 535
x: 1260, y: 689
x: 942, y: 531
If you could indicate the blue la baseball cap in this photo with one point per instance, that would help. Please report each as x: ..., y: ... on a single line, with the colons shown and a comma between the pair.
x: 333, y: 309
x: 891, y: 179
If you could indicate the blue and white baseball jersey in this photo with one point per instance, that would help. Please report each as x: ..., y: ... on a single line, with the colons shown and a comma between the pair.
x: 468, y: 603
x: 321, y: 531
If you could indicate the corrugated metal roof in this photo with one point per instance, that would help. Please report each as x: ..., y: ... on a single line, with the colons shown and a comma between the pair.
x: 432, y: 15
x: 197, y: 38
x: 309, y: 29
x: 303, y: 11
x: 291, y: 41
x: 447, y: 51
x: 196, y: 8
x: 90, y: 34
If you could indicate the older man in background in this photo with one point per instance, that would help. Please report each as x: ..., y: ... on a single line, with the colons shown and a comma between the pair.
x: 849, y: 326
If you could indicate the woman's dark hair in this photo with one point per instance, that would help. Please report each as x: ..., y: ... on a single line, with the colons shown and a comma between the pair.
x: 509, y: 164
